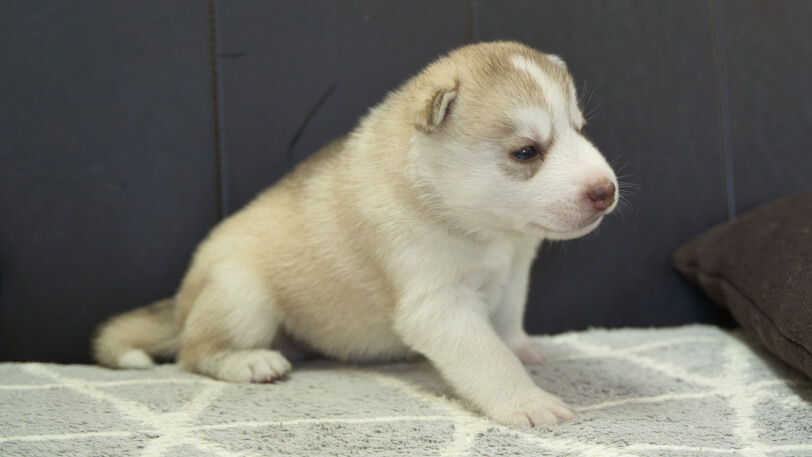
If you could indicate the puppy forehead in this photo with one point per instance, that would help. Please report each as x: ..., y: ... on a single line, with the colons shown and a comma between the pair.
x: 532, y: 122
x: 554, y: 88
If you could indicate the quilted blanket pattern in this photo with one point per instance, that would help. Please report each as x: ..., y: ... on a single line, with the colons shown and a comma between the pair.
x: 686, y: 391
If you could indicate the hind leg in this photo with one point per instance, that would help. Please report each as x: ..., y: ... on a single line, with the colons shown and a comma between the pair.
x: 229, y: 328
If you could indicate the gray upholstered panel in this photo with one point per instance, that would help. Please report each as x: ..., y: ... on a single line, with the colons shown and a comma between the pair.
x: 768, y: 87
x: 646, y: 71
x: 278, y: 59
x: 107, y: 176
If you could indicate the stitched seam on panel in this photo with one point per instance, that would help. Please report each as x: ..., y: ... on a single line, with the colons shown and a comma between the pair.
x: 722, y: 107
x: 473, y: 30
x: 217, y: 125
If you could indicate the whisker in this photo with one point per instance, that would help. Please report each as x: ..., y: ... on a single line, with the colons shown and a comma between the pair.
x: 627, y: 184
x: 582, y: 94
x: 585, y: 100
x: 625, y: 192
x: 592, y: 113
x: 623, y: 208
x: 626, y: 188
x: 615, y: 159
x: 619, y: 169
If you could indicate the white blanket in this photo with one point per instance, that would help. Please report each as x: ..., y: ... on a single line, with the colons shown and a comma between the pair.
x: 687, y: 391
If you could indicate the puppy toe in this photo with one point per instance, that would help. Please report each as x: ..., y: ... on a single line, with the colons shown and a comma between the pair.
x: 537, y: 409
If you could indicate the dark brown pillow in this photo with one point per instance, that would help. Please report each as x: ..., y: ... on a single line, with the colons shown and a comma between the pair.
x: 759, y: 266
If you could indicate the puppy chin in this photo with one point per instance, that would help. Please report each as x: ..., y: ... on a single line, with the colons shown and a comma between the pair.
x: 550, y: 234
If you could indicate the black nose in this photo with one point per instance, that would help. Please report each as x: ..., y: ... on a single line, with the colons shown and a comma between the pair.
x: 602, y: 194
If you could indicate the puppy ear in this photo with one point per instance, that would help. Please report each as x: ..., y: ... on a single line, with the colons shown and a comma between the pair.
x: 436, y: 109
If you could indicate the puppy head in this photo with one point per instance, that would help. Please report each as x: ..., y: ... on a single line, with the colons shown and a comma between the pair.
x: 499, y: 144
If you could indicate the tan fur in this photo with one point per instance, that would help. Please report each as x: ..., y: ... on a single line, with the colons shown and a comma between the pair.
x: 152, y: 329
x: 414, y: 234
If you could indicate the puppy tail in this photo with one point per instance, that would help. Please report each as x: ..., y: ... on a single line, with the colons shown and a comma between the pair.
x: 134, y: 339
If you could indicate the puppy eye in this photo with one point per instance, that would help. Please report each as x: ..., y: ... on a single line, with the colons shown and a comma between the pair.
x: 525, y: 153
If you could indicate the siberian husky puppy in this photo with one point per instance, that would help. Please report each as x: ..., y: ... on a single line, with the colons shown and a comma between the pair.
x: 414, y: 234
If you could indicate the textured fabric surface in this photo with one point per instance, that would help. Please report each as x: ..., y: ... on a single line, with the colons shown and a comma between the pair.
x: 759, y: 266
x: 685, y: 391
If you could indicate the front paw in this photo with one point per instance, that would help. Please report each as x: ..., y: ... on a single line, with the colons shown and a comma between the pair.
x: 532, y: 410
x: 529, y: 352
